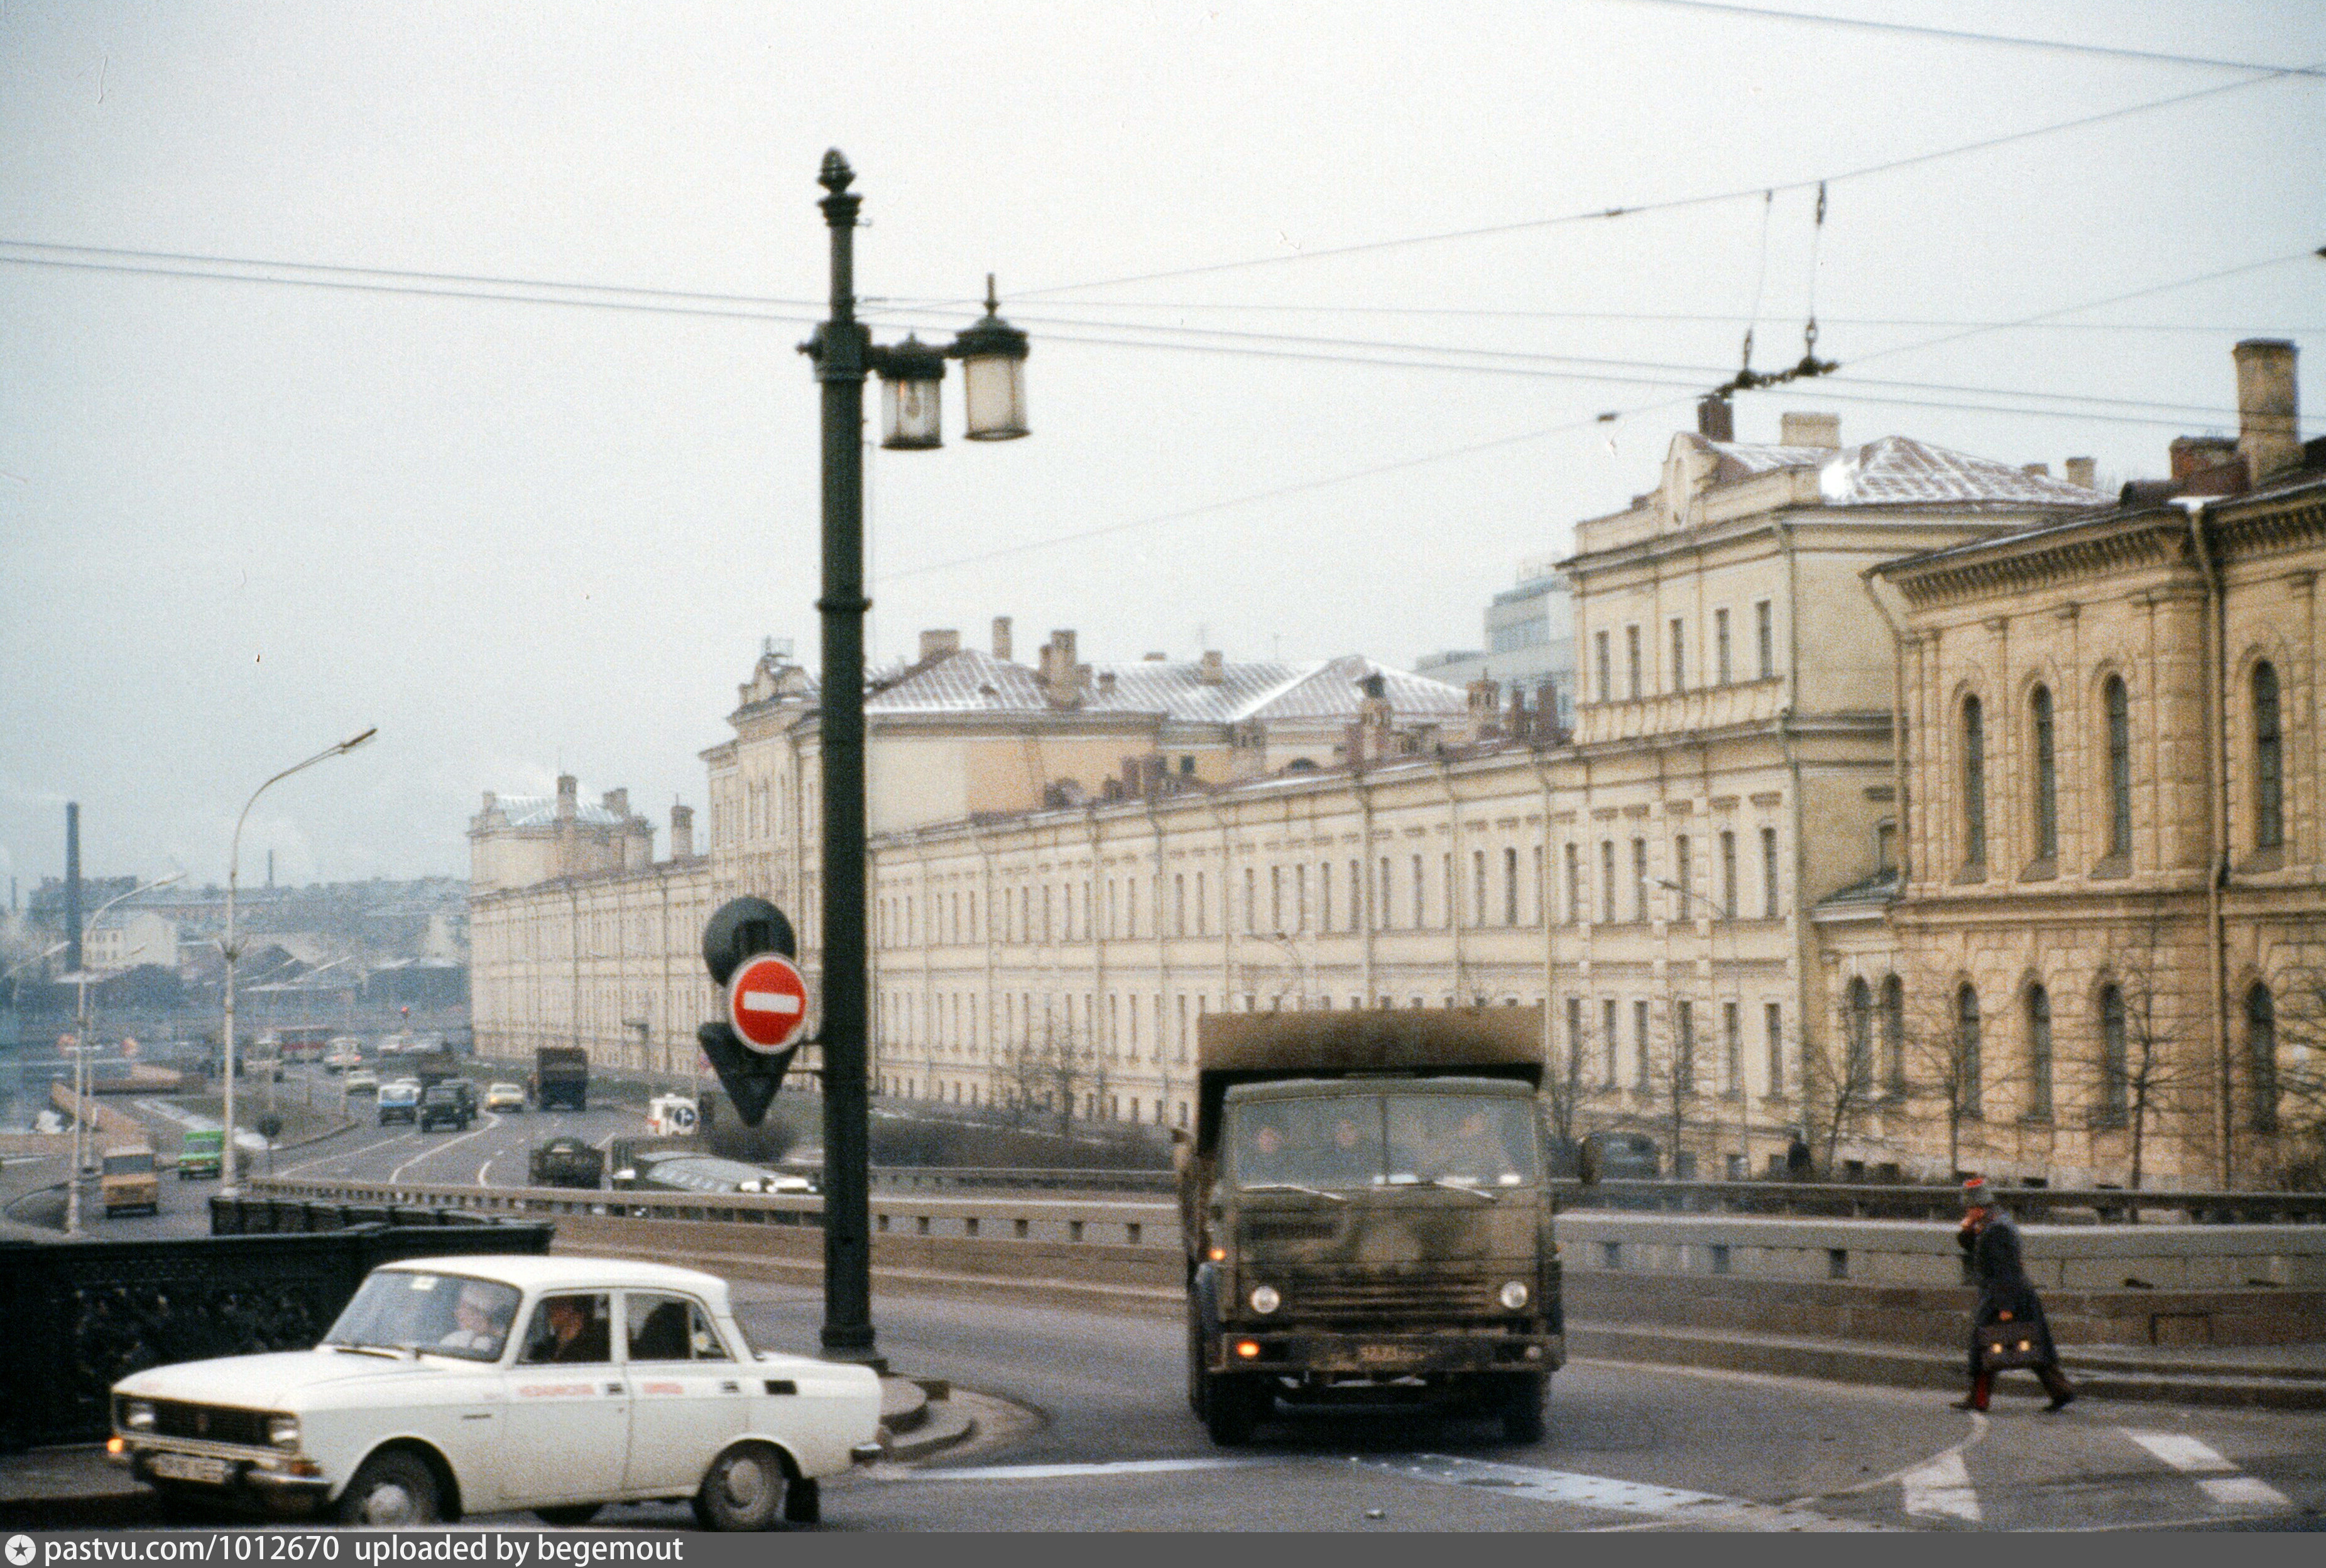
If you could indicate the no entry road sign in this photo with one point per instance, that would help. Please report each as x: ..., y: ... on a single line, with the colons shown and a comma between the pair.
x: 766, y: 1002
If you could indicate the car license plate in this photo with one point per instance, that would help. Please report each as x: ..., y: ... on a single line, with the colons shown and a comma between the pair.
x: 1385, y: 1355
x: 189, y: 1467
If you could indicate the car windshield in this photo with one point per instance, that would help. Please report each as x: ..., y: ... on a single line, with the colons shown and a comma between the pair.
x: 444, y: 1314
x: 1383, y: 1140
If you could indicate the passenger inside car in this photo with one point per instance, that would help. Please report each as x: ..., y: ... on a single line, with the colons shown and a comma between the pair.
x: 568, y: 1328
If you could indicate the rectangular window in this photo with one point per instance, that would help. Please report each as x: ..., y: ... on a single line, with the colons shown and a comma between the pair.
x: 1202, y: 921
x: 1639, y: 879
x: 1639, y: 1045
x: 1420, y: 897
x: 1769, y: 873
x: 1382, y: 916
x: 1324, y: 896
x: 1445, y: 881
x: 1679, y: 654
x: 1356, y: 895
x: 1772, y: 1015
x: 1728, y: 875
x: 1250, y: 901
x: 1731, y: 1048
x: 1180, y: 904
x: 1607, y: 1041
x: 1607, y: 880
x: 1478, y: 889
x: 1574, y: 1039
x: 1764, y: 623
x: 1541, y: 894
x: 1683, y: 879
x: 1684, y: 1048
x: 1276, y: 898
x: 1599, y: 652
x: 1510, y: 884
x: 1574, y: 885
x: 1631, y: 662
x: 1720, y: 645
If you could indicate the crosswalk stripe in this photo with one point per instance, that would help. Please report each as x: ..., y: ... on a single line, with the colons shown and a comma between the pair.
x: 1941, y: 1489
x: 2218, y: 1479
x: 1663, y: 1505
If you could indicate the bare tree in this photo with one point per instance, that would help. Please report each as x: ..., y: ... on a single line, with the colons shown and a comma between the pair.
x: 1838, y: 1086
x: 2297, y: 1074
x: 2144, y: 1077
x: 1948, y: 1062
x: 1563, y: 1085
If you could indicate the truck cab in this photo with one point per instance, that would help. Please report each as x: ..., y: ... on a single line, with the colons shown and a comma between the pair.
x: 1370, y: 1217
x: 129, y: 1180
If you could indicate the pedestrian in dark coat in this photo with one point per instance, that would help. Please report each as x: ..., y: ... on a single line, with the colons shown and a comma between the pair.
x: 1990, y: 1244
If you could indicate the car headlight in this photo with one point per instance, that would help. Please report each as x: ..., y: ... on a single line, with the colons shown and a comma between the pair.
x: 137, y: 1415
x: 282, y: 1431
x: 1513, y: 1294
x: 1265, y: 1299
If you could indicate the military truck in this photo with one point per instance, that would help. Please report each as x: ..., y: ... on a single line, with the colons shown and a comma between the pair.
x: 432, y: 1067
x: 1367, y: 1216
x: 565, y: 1162
x: 561, y: 1077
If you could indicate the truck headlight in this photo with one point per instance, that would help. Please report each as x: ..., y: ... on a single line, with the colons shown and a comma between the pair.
x: 1513, y: 1294
x: 282, y: 1431
x: 137, y: 1415
x: 1265, y: 1299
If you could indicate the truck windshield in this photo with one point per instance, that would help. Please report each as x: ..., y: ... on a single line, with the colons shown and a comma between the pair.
x: 139, y: 1164
x: 1383, y: 1140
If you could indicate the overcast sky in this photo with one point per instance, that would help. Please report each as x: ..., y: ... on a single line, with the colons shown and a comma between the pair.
x: 242, y: 519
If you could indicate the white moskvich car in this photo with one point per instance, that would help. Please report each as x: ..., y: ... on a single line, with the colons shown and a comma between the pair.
x: 454, y: 1385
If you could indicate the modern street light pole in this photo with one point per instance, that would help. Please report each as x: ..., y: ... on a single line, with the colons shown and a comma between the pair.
x: 230, y: 1168
x: 993, y: 354
x: 80, y: 1051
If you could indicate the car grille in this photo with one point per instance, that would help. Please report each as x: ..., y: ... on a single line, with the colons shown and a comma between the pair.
x: 1377, y: 1298
x: 211, y: 1423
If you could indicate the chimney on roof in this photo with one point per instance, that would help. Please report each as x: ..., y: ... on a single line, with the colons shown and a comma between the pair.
x: 2036, y: 470
x: 2266, y: 437
x: 617, y: 805
x: 938, y: 645
x: 1214, y: 670
x: 1001, y: 638
x: 1810, y: 429
x: 1062, y: 678
x: 681, y: 832
x: 2081, y: 471
x: 2195, y: 455
x: 568, y: 796
x: 491, y: 799
x: 1716, y: 420
x: 1106, y: 683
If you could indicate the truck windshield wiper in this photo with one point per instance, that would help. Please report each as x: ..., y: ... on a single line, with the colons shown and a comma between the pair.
x: 1402, y: 1180
x: 1297, y: 1187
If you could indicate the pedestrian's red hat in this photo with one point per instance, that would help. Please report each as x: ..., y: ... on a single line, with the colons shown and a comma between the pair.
x: 1973, y: 1191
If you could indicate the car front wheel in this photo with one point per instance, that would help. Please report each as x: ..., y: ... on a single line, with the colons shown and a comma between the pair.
x: 392, y: 1489
x: 743, y: 1490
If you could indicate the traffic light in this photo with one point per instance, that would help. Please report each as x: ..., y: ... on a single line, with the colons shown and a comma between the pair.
x: 741, y: 930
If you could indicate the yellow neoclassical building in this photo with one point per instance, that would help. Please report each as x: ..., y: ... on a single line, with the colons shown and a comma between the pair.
x: 1073, y: 864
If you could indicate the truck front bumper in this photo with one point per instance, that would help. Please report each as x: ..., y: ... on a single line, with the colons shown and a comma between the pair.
x: 1287, y: 1351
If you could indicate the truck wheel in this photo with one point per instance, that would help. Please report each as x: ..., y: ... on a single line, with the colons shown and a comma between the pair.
x: 1523, y: 1396
x: 1233, y: 1404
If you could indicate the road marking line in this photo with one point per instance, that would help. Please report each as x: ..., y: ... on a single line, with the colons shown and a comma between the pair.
x: 491, y: 1121
x: 1941, y: 1489
x: 1060, y: 1471
x: 1666, y: 1504
x: 2220, y: 1481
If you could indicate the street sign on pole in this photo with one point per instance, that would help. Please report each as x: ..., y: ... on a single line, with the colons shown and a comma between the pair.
x: 766, y: 1002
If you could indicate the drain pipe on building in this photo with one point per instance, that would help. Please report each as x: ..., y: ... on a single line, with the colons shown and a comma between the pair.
x: 2217, y: 826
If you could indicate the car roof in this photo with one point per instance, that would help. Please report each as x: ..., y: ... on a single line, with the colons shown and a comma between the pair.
x: 530, y: 1273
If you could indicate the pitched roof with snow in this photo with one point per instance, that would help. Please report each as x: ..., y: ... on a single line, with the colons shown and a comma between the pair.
x: 968, y: 681
x: 1900, y: 471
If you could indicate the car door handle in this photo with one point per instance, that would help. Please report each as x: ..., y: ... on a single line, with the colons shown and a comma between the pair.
x: 731, y: 1387
x: 616, y: 1388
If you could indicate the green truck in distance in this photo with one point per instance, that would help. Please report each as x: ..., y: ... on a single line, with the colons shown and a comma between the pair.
x: 201, y: 1154
x: 561, y: 1078
x: 1368, y: 1216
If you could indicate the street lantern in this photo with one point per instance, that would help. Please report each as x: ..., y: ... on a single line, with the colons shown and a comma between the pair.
x: 993, y: 355
x: 910, y: 376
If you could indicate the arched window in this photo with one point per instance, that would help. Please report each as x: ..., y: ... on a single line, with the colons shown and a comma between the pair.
x: 1966, y: 1063
x: 2047, y: 776
x: 1860, y: 1021
x: 2115, y: 1064
x: 2118, y: 703
x: 2039, y: 1053
x: 2269, y: 761
x: 1894, y: 1032
x: 1974, y: 786
x: 2261, y: 1052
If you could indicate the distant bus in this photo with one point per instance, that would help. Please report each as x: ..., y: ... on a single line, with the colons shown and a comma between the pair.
x: 305, y: 1042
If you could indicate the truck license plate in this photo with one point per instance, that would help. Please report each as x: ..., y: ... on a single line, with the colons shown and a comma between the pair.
x: 189, y: 1467
x: 1384, y: 1355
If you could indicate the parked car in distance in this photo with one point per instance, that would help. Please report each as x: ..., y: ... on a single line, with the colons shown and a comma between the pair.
x: 478, y: 1385
x: 449, y: 1103
x: 127, y: 1180
x: 504, y: 1097
x: 1621, y: 1156
x: 362, y: 1081
x: 345, y: 1052
x: 201, y: 1154
x: 399, y: 1100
